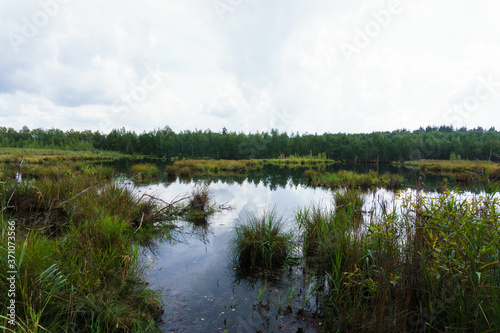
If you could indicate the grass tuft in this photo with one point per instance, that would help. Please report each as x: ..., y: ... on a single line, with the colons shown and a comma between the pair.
x: 262, y: 242
x: 144, y: 172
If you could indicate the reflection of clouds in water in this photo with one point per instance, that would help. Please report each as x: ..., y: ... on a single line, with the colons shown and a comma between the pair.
x: 182, y: 266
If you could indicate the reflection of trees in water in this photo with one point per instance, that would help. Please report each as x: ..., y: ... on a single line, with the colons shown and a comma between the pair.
x: 186, y: 232
x: 271, y: 176
x: 274, y: 176
x: 200, y: 232
x: 250, y: 277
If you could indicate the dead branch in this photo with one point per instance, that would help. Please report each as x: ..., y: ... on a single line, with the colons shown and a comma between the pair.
x: 169, y: 204
x: 15, y: 186
x: 78, y: 194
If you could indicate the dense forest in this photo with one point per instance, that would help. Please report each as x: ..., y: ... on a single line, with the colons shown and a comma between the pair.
x: 442, y: 142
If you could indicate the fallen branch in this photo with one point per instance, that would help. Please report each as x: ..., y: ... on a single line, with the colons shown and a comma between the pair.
x: 65, y: 201
x: 140, y: 224
x: 172, y: 203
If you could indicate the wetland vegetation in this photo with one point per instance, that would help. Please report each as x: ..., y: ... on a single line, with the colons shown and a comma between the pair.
x: 415, y: 261
x: 77, y: 236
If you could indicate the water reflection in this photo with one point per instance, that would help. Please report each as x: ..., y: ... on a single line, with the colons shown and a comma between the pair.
x: 204, y: 289
x: 274, y: 177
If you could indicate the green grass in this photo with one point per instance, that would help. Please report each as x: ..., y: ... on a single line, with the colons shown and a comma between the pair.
x: 76, y: 249
x: 463, y: 169
x: 145, y: 172
x: 325, y: 235
x: 261, y: 241
x: 14, y: 155
x: 351, y: 179
x: 431, y: 265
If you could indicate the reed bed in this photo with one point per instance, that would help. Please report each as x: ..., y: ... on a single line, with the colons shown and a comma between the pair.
x: 428, y: 265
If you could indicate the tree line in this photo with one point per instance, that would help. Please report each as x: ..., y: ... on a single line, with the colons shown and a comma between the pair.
x: 400, y: 145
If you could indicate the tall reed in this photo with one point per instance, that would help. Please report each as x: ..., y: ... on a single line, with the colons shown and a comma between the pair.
x: 427, y: 265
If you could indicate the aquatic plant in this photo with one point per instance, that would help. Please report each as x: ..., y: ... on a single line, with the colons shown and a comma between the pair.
x: 144, y: 172
x: 200, y: 205
x: 261, y: 241
x: 427, y: 265
x: 77, y: 258
x: 351, y: 179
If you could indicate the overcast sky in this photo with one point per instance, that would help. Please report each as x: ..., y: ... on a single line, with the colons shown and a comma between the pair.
x: 249, y: 65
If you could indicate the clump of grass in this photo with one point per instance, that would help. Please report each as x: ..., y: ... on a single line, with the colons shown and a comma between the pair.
x: 345, y: 178
x: 200, y: 205
x: 188, y: 168
x: 144, y: 172
x: 262, y: 242
x: 316, y: 226
x: 348, y: 205
x: 327, y: 235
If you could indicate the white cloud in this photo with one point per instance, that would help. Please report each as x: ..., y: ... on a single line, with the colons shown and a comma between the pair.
x: 266, y: 64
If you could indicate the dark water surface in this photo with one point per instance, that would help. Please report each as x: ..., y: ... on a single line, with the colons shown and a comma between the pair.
x: 204, y: 292
x: 201, y: 288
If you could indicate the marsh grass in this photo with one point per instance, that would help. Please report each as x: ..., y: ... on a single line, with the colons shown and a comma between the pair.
x: 326, y: 235
x: 351, y: 179
x: 77, y: 235
x: 144, y: 172
x: 262, y: 242
x: 193, y: 167
x: 317, y: 163
x: 465, y: 169
x: 189, y: 168
x: 200, y: 205
x: 428, y: 265
x: 39, y: 156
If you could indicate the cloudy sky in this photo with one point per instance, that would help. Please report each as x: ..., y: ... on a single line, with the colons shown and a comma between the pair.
x: 249, y: 65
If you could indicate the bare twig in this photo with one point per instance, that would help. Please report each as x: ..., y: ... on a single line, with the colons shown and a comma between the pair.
x: 65, y: 201
x: 171, y: 203
x: 15, y: 186
x: 140, y: 224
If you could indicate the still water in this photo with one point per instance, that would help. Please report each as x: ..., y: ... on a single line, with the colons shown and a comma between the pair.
x: 203, y: 292
x: 201, y: 288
